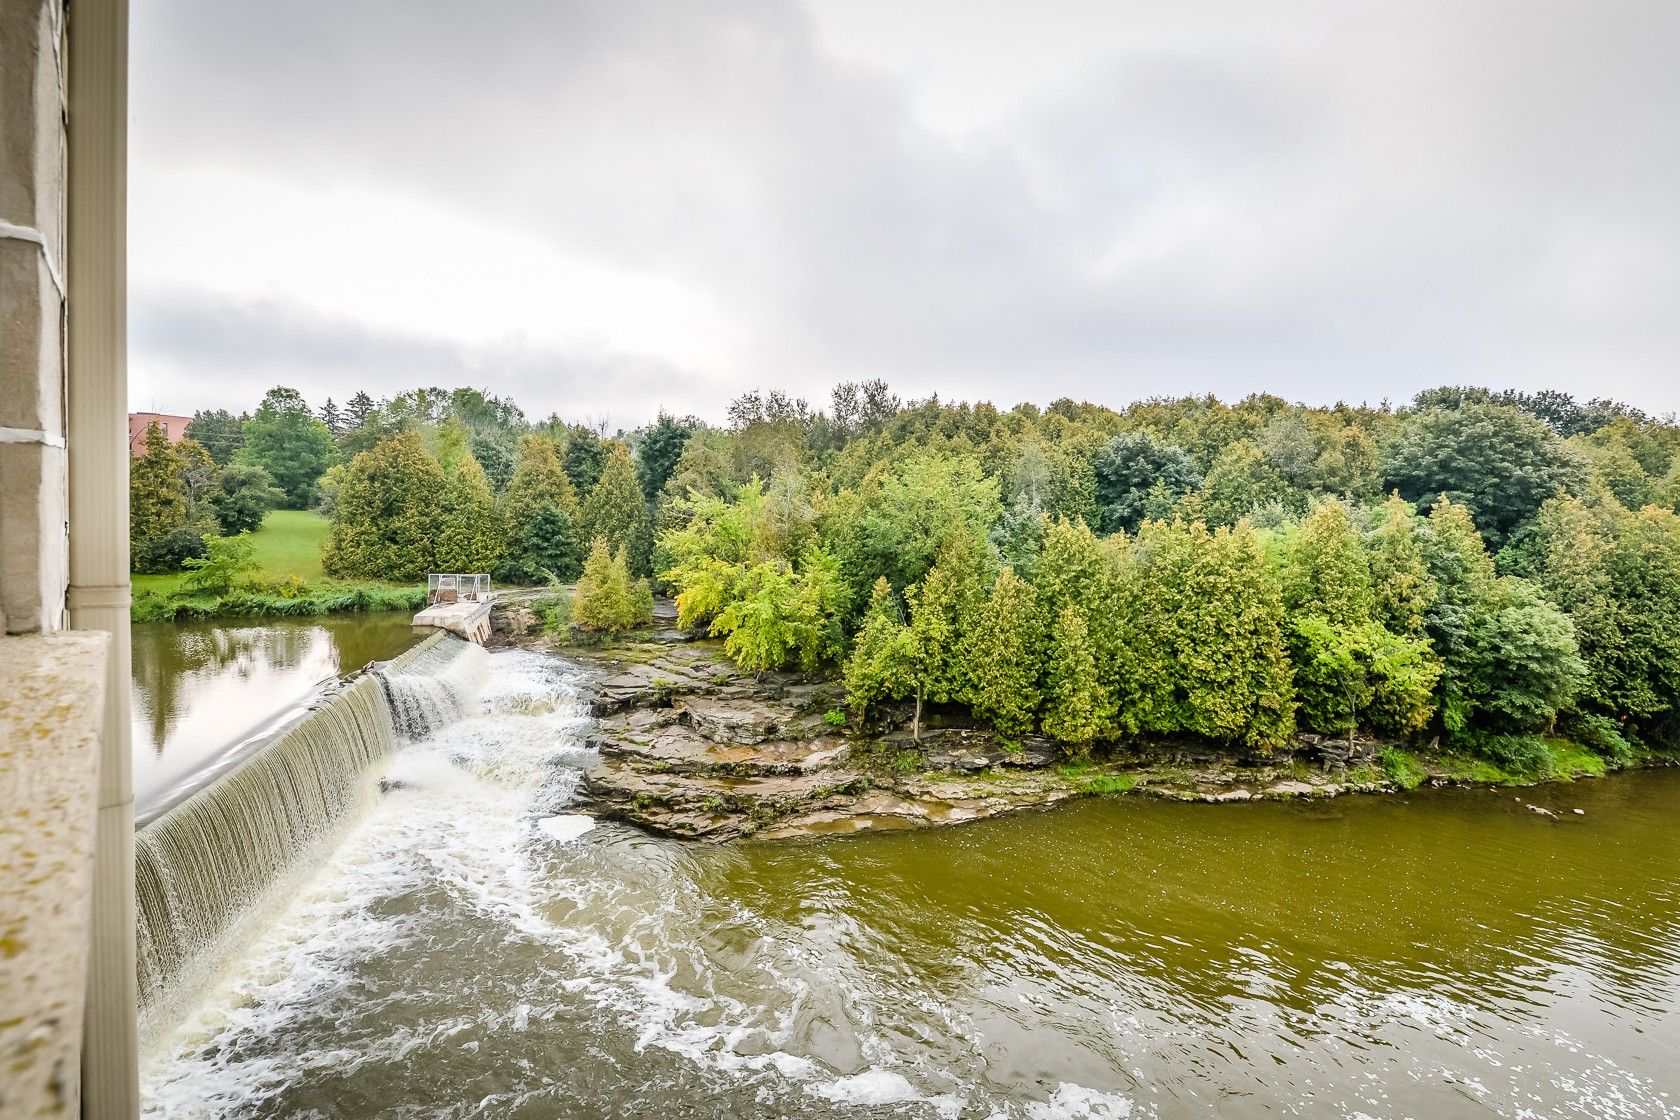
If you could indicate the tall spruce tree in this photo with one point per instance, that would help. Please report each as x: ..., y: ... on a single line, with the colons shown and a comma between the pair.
x: 1001, y: 653
x: 617, y: 511
x: 1077, y: 709
x: 469, y: 524
x: 388, y: 515
x: 539, y: 515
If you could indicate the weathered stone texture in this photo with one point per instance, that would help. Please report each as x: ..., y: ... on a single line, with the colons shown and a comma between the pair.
x: 33, y: 495
x: 51, y: 702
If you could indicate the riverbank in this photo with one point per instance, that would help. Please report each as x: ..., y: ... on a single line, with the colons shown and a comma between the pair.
x: 287, y: 583
x: 692, y: 747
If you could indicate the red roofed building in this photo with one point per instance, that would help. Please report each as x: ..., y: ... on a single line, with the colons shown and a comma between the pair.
x: 175, y: 427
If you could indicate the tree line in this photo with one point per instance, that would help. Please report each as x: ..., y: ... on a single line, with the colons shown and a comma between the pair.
x: 1478, y: 566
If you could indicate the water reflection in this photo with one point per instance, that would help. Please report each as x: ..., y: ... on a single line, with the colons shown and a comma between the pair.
x: 200, y: 687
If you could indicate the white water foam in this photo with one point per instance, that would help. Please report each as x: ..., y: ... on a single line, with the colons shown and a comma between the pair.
x: 567, y: 826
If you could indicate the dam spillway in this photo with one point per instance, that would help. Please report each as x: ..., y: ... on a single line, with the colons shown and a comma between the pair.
x: 206, y: 866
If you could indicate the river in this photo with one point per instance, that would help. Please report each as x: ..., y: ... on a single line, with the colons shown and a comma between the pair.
x: 472, y: 949
x: 201, y: 688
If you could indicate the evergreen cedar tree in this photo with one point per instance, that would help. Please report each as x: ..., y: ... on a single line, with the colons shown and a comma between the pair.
x: 1476, y: 566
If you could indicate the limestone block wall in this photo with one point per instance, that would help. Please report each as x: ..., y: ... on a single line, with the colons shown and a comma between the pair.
x: 34, y: 566
x: 51, y: 704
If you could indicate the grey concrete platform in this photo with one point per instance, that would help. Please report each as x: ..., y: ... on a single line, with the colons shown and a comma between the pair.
x: 469, y: 620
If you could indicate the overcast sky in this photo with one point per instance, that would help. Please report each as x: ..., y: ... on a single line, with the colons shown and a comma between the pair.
x: 604, y: 208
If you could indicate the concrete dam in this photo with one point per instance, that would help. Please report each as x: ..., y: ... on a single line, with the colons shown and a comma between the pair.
x: 211, y: 861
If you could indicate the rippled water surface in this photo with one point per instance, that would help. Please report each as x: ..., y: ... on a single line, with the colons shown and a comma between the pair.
x: 473, y: 949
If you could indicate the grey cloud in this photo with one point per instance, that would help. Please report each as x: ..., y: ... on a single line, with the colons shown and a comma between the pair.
x: 1399, y: 196
x: 196, y: 350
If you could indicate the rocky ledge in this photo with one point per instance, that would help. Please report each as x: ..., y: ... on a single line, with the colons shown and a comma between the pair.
x: 692, y: 747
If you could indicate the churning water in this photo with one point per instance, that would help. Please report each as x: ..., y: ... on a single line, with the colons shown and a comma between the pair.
x: 205, y: 868
x: 472, y: 948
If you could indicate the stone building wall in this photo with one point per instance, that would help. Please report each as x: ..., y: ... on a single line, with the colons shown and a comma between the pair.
x: 34, y: 566
x: 52, y: 680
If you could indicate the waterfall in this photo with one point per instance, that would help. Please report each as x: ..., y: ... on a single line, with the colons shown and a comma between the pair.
x: 205, y: 868
x: 433, y: 688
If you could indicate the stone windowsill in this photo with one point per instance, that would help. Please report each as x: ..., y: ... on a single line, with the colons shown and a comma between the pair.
x: 52, y: 696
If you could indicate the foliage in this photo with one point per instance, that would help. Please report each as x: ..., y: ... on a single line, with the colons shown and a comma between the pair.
x: 607, y: 600
x: 1491, y: 458
x: 1523, y: 755
x: 659, y: 451
x: 896, y: 526
x: 1603, y: 736
x: 284, y: 438
x: 1240, y: 481
x: 225, y: 561
x: 780, y: 617
x: 388, y: 518
x: 1402, y: 767
x: 247, y: 494
x: 615, y: 510
x: 1347, y: 674
x: 1136, y: 472
x: 219, y: 432
x: 168, y: 551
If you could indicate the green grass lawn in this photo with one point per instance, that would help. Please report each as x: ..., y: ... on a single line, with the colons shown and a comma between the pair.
x: 288, y: 544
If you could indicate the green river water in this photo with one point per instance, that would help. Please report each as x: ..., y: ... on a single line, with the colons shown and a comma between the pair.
x: 473, y: 949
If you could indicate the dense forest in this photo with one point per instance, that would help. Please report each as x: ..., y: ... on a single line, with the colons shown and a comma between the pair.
x: 1477, y: 567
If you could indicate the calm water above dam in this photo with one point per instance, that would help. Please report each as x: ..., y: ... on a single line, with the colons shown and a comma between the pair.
x: 199, y: 688
x: 473, y: 950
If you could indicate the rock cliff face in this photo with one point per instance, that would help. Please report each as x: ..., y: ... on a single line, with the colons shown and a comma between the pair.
x: 692, y: 747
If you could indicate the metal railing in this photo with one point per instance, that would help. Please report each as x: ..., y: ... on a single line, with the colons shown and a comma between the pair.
x: 457, y: 587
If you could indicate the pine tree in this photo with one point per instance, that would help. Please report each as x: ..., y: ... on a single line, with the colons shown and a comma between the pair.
x: 616, y: 510
x: 388, y: 516
x: 1001, y: 652
x: 1077, y: 570
x: 357, y: 410
x: 469, y: 524
x: 539, y: 517
x: 607, y: 599
x: 331, y: 417
x: 157, y: 505
x: 1326, y: 572
x: 1076, y: 708
x: 1403, y: 590
x: 946, y: 608
x: 882, y: 664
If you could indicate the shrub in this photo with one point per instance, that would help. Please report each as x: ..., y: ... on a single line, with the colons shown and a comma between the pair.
x: 607, y: 600
x: 283, y: 587
x: 1402, y: 768
x: 225, y: 559
x: 555, y: 610
x: 1603, y: 736
x: 1524, y: 755
x: 169, y: 551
